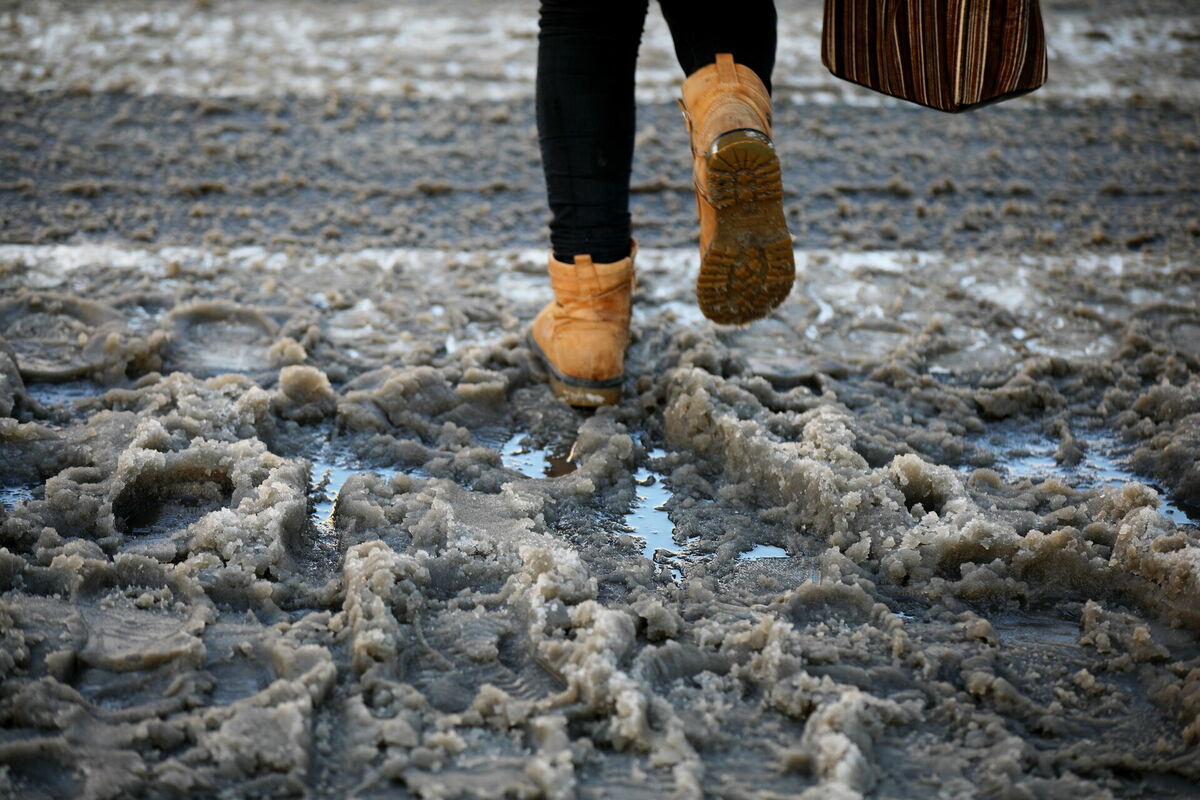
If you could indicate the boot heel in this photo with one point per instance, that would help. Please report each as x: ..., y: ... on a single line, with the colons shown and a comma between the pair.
x: 743, y: 167
x: 749, y: 266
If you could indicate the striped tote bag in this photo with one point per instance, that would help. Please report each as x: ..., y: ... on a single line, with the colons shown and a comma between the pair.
x: 952, y: 55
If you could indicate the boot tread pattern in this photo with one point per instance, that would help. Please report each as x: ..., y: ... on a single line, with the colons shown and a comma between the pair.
x: 744, y: 175
x: 749, y: 266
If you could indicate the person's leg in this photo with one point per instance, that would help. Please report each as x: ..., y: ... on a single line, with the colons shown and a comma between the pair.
x: 587, y: 52
x: 703, y: 28
x: 747, y: 266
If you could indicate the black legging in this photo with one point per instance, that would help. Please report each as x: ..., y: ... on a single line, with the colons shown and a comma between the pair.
x: 587, y: 51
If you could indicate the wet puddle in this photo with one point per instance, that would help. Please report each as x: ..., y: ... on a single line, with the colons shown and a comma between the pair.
x: 331, y: 468
x: 332, y: 461
x: 764, y: 551
x: 60, y: 394
x: 13, y: 496
x: 328, y: 478
x: 552, y: 461
x: 648, y: 518
x: 1030, y: 454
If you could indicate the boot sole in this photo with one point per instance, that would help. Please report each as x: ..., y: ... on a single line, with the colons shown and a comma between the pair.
x: 748, y: 268
x: 578, y: 392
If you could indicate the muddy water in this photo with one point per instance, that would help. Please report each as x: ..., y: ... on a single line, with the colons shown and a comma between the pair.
x: 1022, y: 452
x: 344, y: 563
x: 287, y: 509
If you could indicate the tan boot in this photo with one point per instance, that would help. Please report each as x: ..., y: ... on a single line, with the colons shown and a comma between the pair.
x: 581, y: 337
x: 746, y: 261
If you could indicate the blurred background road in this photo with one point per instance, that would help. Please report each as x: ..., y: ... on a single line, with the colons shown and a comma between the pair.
x: 370, y: 123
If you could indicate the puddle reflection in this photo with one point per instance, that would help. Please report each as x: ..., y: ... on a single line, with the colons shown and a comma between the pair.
x: 533, y: 462
x: 1030, y: 454
x: 764, y: 551
x: 330, y: 471
x: 648, y: 518
x: 13, y: 496
x: 57, y: 394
